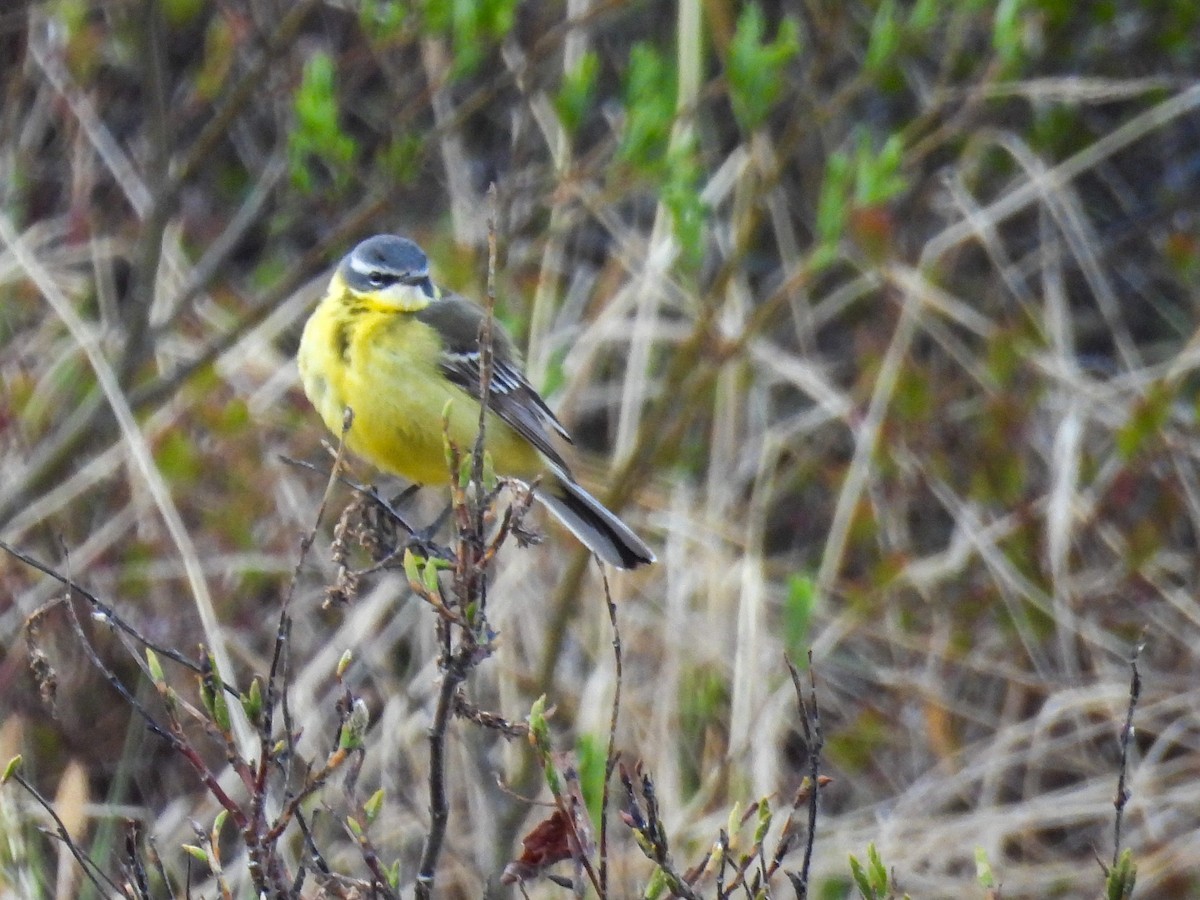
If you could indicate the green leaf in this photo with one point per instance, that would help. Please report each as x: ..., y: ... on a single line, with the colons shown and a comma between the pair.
x: 412, y: 567
x: 354, y: 731
x: 473, y: 26
x: 575, y: 94
x: 1007, y: 27
x: 537, y: 722
x: 198, y: 853
x: 373, y: 806
x: 764, y: 821
x: 11, y: 769
x: 649, y: 109
x: 382, y: 20
x: 401, y: 158
x: 430, y: 580
x: 925, y: 15
x: 592, y: 758
x: 884, y: 42
x: 393, y: 875
x: 681, y: 197
x: 734, y: 819
x: 983, y: 869
x: 755, y: 68
x: 1147, y: 418
x: 877, y: 177
x: 859, y: 874
x: 798, y: 606
x: 878, y: 871
x: 317, y: 135
x: 490, y: 479
x: 833, y: 203
x: 217, y: 705
x: 539, y: 732
x: 466, y: 466
x: 234, y: 416
x: 252, y: 700
x: 656, y: 885
x: 550, y: 772
x: 177, y: 458
x: 1121, y: 878
x: 180, y: 13
x: 155, y: 667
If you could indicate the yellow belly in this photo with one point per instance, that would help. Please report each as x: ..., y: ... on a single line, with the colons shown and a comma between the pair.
x: 383, y: 365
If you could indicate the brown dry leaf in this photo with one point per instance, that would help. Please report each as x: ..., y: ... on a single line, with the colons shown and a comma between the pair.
x: 548, y: 843
x: 939, y: 729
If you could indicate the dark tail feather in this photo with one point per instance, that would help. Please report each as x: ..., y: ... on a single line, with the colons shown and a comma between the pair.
x: 597, y: 528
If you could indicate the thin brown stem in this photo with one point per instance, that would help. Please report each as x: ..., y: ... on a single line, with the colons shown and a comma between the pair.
x: 92, y: 871
x: 1123, y: 792
x: 439, y: 809
x: 610, y: 757
x: 810, y: 720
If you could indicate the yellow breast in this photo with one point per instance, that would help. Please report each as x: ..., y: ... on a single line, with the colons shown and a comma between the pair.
x: 384, y: 365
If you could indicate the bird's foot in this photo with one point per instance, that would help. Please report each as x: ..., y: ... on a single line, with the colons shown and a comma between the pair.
x: 422, y: 540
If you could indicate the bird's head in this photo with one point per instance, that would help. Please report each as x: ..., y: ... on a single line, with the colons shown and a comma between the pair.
x: 388, y: 271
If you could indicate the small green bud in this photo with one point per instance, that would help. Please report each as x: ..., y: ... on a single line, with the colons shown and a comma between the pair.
x: 356, y: 725
x: 983, y: 869
x: 373, y: 806
x: 11, y: 769
x: 657, y: 883
x: 197, y: 853
x: 412, y: 569
x: 155, y: 667
x: 252, y: 702
x: 764, y: 821
x: 733, y: 823
x: 539, y: 731
x: 430, y: 580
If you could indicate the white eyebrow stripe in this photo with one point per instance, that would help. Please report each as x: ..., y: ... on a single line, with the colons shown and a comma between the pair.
x: 360, y: 265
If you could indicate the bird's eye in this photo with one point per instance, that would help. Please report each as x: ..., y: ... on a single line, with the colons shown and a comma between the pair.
x: 377, y: 278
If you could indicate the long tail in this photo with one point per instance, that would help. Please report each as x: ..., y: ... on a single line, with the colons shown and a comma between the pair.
x: 597, y: 528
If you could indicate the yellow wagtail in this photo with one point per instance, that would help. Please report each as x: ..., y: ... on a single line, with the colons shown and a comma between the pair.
x: 395, y: 349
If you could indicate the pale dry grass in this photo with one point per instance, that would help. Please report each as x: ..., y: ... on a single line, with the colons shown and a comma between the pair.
x: 962, y: 722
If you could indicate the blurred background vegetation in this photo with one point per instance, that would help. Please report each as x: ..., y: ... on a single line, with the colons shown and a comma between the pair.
x: 877, y: 318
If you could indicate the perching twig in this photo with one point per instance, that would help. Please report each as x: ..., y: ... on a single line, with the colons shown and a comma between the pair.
x: 610, y: 757
x: 648, y: 830
x: 1127, y: 732
x: 810, y: 720
x: 464, y: 613
x: 485, y: 365
x: 93, y: 872
x: 366, y: 490
x: 102, y: 610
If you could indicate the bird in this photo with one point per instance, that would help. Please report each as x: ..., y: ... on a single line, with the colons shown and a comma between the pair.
x: 403, y: 355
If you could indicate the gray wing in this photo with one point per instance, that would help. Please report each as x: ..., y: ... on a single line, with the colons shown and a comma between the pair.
x: 511, y: 396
